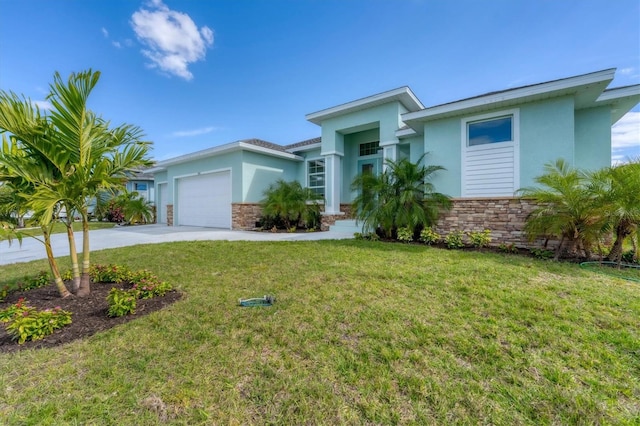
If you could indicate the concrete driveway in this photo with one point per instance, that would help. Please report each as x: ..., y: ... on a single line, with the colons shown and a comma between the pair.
x: 121, y: 236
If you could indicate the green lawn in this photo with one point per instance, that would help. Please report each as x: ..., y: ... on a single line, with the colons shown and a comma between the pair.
x: 362, y: 333
x: 59, y: 228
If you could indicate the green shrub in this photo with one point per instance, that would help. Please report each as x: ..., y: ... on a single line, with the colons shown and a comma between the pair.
x: 628, y: 256
x: 453, y: 240
x: 429, y: 236
x: 19, y: 307
x: 31, y: 324
x: 405, y: 234
x: 508, y: 248
x: 148, y: 285
x: 40, y: 280
x: 480, y: 238
x: 109, y: 273
x: 122, y: 302
x: 539, y: 253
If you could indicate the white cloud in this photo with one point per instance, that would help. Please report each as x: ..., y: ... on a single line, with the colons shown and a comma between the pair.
x: 194, y: 132
x: 105, y: 33
x: 625, y: 137
x: 117, y: 44
x: 45, y: 105
x: 626, y: 71
x: 172, y: 39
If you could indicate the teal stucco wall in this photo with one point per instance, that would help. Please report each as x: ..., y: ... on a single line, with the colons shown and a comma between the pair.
x: 593, y: 138
x: 259, y: 171
x: 442, y: 142
x: 546, y: 134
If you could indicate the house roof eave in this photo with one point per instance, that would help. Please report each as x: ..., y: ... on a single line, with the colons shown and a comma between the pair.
x: 404, y: 95
x: 586, y: 88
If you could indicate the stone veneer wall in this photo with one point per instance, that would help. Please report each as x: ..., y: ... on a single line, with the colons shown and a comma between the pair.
x: 330, y: 219
x: 245, y: 215
x: 169, y: 214
x: 504, y: 216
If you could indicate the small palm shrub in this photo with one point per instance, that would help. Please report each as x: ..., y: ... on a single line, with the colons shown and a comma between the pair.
x: 292, y: 204
x: 401, y: 196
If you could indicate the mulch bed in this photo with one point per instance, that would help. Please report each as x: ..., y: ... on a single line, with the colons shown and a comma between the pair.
x: 89, y: 314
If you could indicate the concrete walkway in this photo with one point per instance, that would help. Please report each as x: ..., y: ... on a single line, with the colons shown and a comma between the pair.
x: 121, y: 236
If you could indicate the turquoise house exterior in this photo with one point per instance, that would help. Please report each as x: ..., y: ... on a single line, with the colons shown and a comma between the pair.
x: 491, y: 145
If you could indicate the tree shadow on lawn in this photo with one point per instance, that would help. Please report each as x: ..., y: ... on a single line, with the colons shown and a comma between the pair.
x: 88, y: 314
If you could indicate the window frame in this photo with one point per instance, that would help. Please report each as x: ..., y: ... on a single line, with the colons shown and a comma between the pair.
x: 469, y: 123
x: 368, y: 148
x: 515, y: 141
x: 308, y: 175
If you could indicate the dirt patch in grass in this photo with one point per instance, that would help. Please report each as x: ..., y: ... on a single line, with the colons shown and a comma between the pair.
x: 88, y: 314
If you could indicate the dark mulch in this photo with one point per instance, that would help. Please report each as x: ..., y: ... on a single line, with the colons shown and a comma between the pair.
x: 88, y: 314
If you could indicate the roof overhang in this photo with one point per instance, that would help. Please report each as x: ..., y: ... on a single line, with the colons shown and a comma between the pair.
x: 404, y: 95
x: 219, y: 150
x: 621, y: 100
x: 584, y: 88
x: 303, y: 148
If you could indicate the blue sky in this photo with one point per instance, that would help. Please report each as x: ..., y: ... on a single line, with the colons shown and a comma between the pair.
x: 195, y: 74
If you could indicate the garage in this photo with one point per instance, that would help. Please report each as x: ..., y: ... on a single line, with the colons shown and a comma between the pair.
x: 204, y: 200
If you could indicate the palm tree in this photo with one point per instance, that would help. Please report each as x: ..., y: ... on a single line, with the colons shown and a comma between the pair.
x: 99, y: 157
x: 618, y: 191
x: 566, y: 209
x: 84, y: 155
x: 401, y: 196
x: 135, y: 208
x: 288, y: 201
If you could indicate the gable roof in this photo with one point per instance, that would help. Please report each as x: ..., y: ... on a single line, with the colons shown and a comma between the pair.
x: 586, y: 89
x: 621, y: 100
x: 404, y: 95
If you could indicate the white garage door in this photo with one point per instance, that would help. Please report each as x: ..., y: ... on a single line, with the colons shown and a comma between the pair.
x: 205, y: 200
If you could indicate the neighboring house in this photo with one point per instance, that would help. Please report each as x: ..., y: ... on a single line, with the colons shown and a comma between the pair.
x: 491, y: 145
x: 143, y: 183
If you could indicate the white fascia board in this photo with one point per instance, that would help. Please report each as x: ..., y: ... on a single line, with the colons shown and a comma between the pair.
x: 523, y: 94
x: 218, y: 150
x: 404, y: 95
x: 305, y: 147
x: 616, y: 93
x: 271, y: 152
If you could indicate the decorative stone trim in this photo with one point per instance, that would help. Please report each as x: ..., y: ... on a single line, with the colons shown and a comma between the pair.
x: 505, y: 217
x: 245, y: 215
x: 169, y: 214
x: 326, y: 220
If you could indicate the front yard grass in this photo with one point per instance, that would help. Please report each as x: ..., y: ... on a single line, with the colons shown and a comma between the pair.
x: 361, y: 333
x: 60, y: 228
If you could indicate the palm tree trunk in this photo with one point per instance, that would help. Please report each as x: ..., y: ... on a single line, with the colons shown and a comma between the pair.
x: 615, y: 255
x: 53, y: 265
x: 85, y: 287
x: 73, y: 254
x: 559, y: 249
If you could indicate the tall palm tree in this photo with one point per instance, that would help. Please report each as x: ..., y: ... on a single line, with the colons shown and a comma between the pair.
x: 401, y: 196
x: 86, y: 155
x: 566, y: 209
x: 100, y: 157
